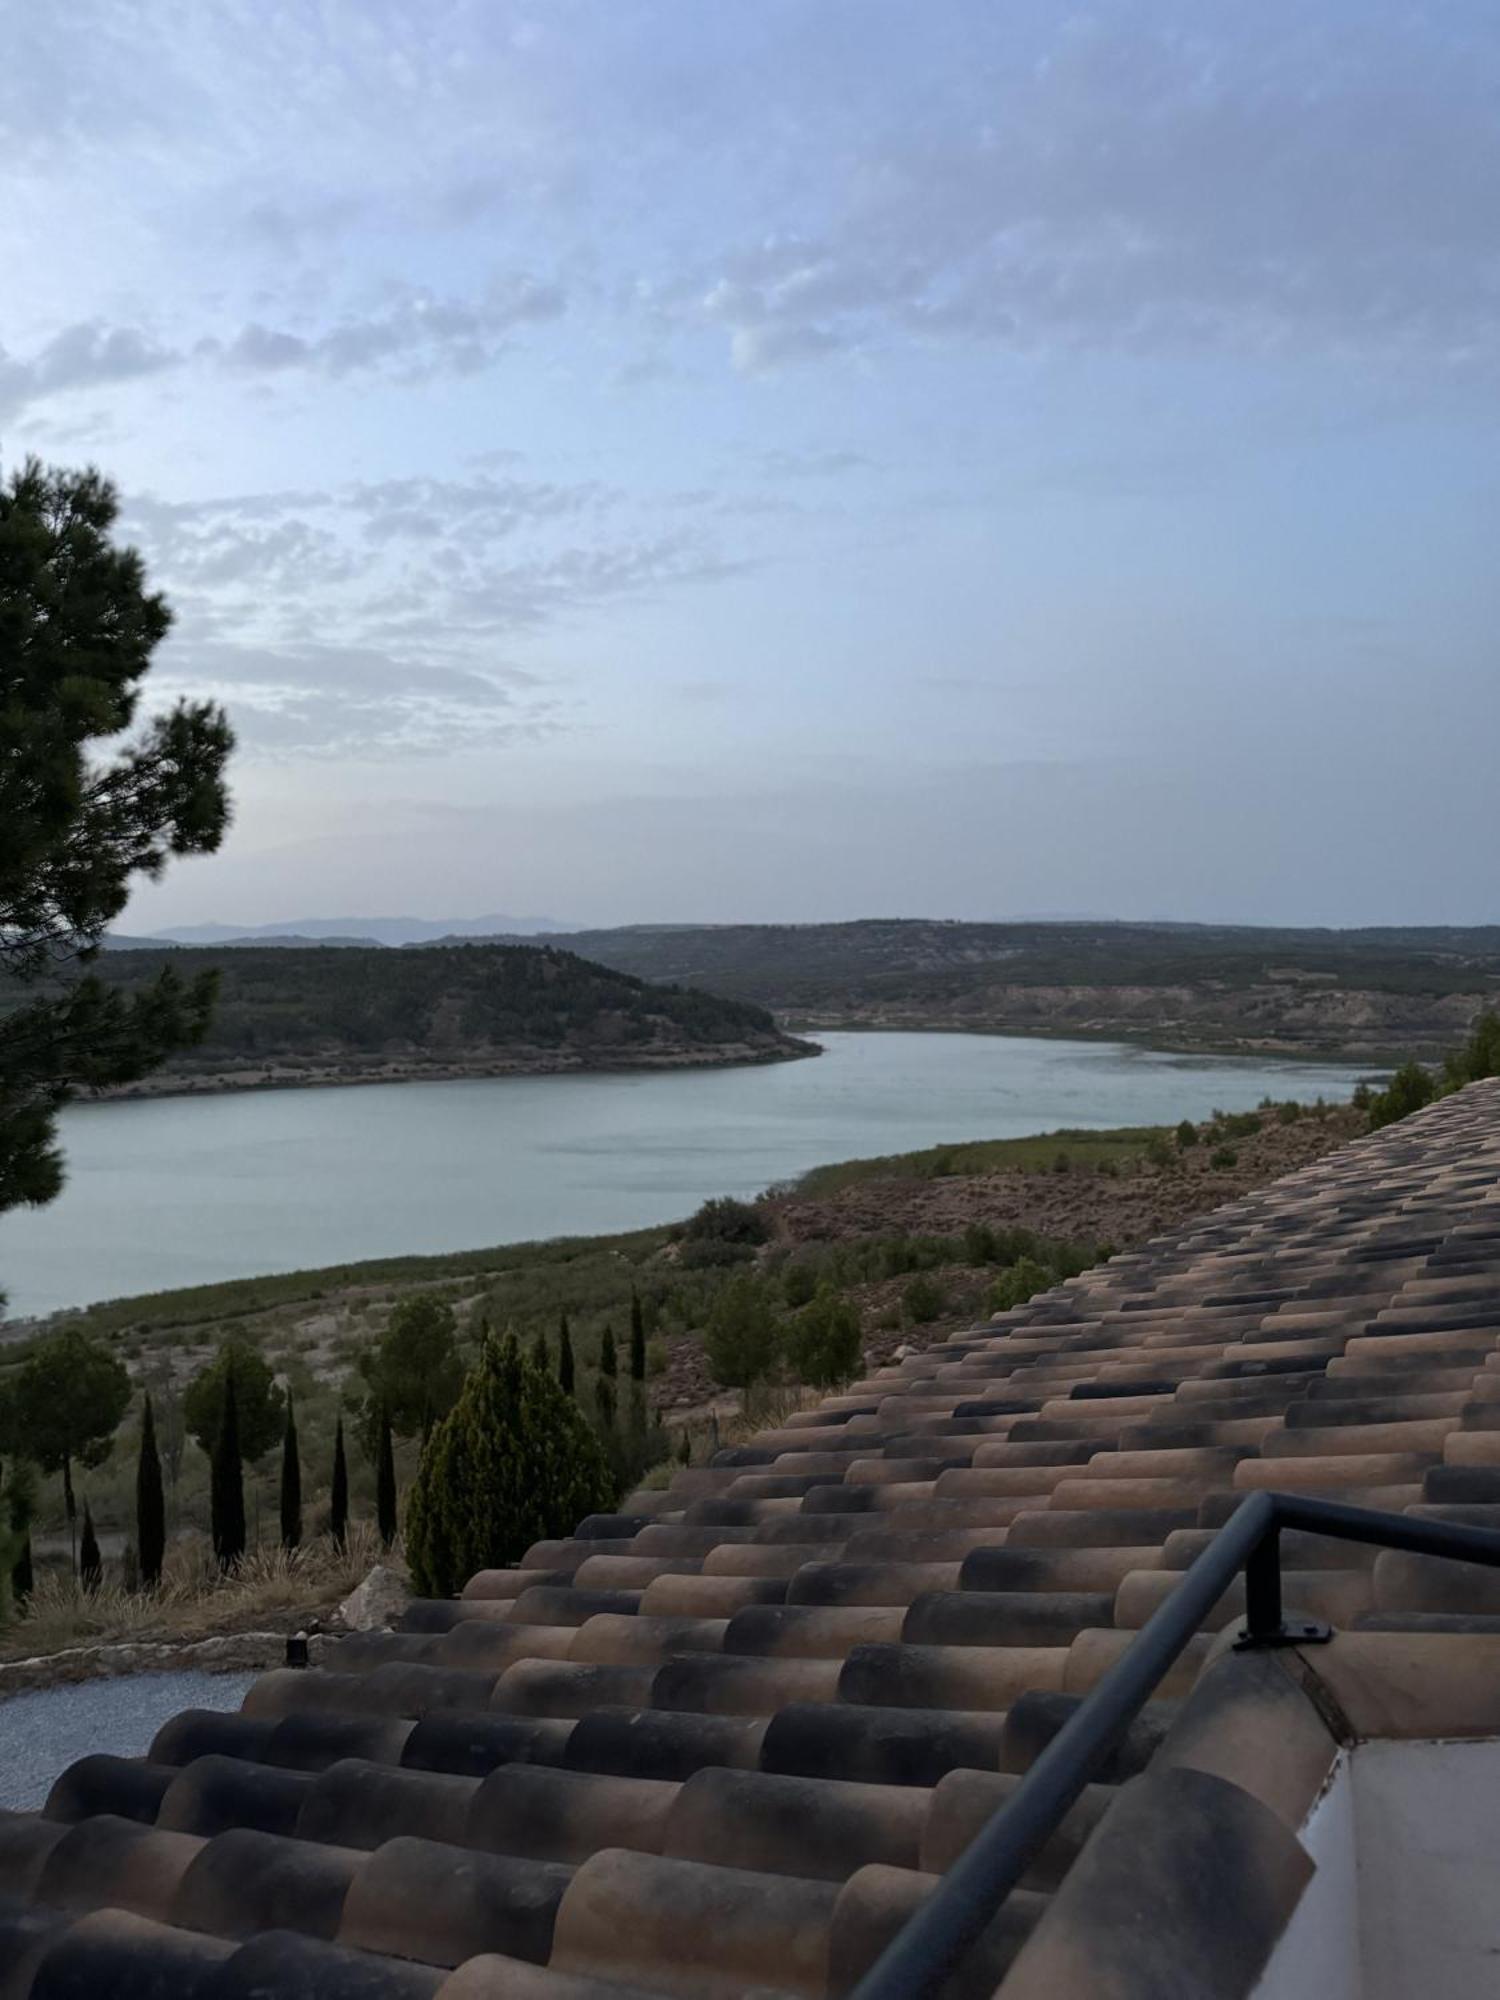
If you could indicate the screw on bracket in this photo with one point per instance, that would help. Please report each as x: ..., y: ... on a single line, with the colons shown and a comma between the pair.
x: 1298, y: 1632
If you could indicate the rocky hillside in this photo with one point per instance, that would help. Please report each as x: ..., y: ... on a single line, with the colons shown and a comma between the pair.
x: 1360, y: 994
x: 289, y: 1016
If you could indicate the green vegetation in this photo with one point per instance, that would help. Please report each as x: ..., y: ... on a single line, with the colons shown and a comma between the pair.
x: 290, y: 1497
x: 150, y: 1503
x: 78, y: 629
x: 1414, y: 1085
x: 227, y: 1478
x: 413, y: 1373
x: 797, y: 966
x: 63, y: 1405
x: 1122, y: 1146
x: 823, y: 1340
x: 362, y: 1010
x: 742, y: 1338
x: 512, y: 1463
x: 260, y: 1405
x: 338, y: 1490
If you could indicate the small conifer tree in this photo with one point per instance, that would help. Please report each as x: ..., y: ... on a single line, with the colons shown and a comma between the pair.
x: 637, y: 1338
x: 385, y: 1483
x: 609, y: 1360
x: 338, y: 1496
x: 564, y: 1357
x: 512, y: 1463
x: 150, y: 1505
x: 540, y: 1352
x: 227, y: 1481
x: 291, y: 1482
x: 90, y: 1561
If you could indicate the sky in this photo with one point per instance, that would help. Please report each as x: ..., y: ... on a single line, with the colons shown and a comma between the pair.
x: 724, y: 460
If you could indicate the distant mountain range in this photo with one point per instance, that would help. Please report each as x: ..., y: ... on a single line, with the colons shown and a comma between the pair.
x: 351, y: 930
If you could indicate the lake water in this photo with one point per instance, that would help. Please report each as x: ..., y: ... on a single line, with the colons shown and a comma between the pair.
x: 184, y: 1190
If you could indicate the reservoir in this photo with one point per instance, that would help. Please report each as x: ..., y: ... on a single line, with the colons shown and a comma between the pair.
x: 186, y: 1190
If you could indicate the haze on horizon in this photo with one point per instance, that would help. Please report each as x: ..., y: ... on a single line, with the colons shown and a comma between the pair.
x: 641, y: 461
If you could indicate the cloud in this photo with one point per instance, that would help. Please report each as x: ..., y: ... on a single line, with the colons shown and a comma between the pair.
x: 1207, y: 181
x: 416, y: 338
x: 87, y: 355
x: 378, y: 611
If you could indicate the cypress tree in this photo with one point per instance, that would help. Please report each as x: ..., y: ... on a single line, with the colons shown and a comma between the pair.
x: 564, y: 1356
x: 684, y: 1446
x: 513, y: 1462
x: 338, y: 1499
x: 150, y: 1507
x: 637, y: 1338
x: 291, y: 1482
x: 23, y: 1574
x: 227, y: 1481
x: 90, y: 1562
x: 604, y: 1401
x: 385, y: 1482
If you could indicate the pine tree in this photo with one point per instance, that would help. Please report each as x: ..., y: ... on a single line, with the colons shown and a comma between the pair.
x: 540, y: 1353
x: 291, y: 1482
x: 90, y: 1562
x: 338, y: 1498
x: 564, y: 1356
x: 150, y: 1506
x: 385, y: 1483
x: 78, y: 628
x: 227, y: 1481
x: 637, y: 1338
x: 512, y: 1463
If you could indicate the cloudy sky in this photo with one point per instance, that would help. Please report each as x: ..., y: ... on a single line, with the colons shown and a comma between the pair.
x: 712, y: 459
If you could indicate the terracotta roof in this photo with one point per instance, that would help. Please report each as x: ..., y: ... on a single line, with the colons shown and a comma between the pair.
x: 724, y: 1742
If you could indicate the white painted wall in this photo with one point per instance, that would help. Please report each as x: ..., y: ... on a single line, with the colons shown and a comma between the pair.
x: 1406, y: 1839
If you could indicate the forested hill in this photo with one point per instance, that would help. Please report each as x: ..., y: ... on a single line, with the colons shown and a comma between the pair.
x: 1364, y: 993
x: 317, y: 1016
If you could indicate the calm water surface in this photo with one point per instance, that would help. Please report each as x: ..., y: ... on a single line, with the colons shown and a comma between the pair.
x: 185, y: 1190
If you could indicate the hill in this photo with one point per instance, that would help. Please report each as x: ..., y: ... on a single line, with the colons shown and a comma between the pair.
x: 1366, y: 994
x: 290, y: 1015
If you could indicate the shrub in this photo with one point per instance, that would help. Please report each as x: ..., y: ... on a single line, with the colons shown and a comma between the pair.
x: 725, y: 1220
x: 1408, y: 1090
x: 1024, y: 1279
x: 1187, y: 1135
x: 512, y: 1463
x: 799, y: 1284
x: 979, y: 1244
x: 657, y: 1355
x: 824, y: 1342
x: 1224, y: 1156
x: 741, y: 1337
x: 1288, y: 1113
x: 1158, y: 1152
x: 1061, y: 1164
x: 707, y: 1253
x: 923, y: 1299
x: 1479, y: 1056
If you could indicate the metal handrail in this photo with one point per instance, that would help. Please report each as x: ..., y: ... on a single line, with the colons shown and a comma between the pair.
x: 922, y: 1955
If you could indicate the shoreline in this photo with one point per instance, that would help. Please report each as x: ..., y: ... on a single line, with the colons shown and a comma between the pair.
x: 327, y: 1076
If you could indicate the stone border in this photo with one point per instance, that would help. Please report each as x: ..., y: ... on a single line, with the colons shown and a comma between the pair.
x: 230, y: 1653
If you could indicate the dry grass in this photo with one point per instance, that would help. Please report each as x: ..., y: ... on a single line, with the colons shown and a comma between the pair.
x: 194, y: 1599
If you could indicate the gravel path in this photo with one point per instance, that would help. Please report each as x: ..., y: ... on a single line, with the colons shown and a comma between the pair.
x: 41, y: 1733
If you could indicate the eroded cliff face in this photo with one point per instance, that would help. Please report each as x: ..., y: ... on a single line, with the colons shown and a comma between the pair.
x: 1283, y: 1017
